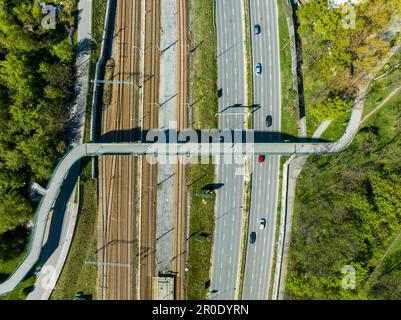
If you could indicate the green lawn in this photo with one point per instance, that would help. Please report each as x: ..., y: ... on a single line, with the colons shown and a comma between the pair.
x: 205, y: 106
x: 201, y: 221
x: 382, y: 87
x: 7, y: 266
x: 289, y: 112
x: 77, y: 276
x: 204, y: 69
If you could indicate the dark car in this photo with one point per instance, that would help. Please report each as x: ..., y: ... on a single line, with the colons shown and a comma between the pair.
x: 261, y: 158
x: 257, y: 29
x: 269, y: 121
x: 252, y: 237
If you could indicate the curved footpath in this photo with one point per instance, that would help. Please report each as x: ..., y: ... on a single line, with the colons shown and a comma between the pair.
x: 159, y: 149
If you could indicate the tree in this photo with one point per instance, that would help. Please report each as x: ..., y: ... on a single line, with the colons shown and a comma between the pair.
x: 14, y: 210
x: 63, y: 51
x: 331, y: 109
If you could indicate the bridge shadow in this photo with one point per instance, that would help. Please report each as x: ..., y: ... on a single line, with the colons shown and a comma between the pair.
x: 60, y: 210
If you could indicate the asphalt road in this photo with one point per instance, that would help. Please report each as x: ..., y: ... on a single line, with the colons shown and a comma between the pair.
x: 265, y: 178
x: 231, y: 85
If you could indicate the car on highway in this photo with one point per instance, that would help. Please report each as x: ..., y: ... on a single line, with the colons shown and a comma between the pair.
x: 252, y: 237
x: 258, y: 68
x: 262, y: 223
x: 261, y: 159
x: 269, y: 121
x: 257, y: 29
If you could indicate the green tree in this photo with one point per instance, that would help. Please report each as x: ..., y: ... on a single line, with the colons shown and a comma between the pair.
x: 63, y: 51
x: 14, y: 210
x: 331, y: 109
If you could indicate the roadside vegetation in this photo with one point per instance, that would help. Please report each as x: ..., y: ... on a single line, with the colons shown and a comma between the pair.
x: 384, y: 84
x: 201, y: 230
x: 13, y: 248
x: 36, y: 81
x: 288, y: 95
x: 204, y: 68
x: 76, y: 275
x: 204, y: 107
x: 336, y: 57
x: 348, y: 212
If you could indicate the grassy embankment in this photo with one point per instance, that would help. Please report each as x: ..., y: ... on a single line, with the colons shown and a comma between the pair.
x: 348, y: 212
x: 204, y: 108
x: 289, y: 112
x: 15, y: 255
x: 77, y: 276
x: 248, y: 160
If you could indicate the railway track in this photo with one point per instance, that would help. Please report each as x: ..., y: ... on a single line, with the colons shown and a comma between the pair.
x: 180, y: 169
x: 117, y: 179
x: 149, y: 171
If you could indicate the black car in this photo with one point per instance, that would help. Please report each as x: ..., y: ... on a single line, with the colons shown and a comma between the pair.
x: 252, y: 237
x: 257, y: 29
x: 269, y: 121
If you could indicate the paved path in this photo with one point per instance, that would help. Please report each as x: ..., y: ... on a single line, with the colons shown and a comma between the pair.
x: 55, y: 254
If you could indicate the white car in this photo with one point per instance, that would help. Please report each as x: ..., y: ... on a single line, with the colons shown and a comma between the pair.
x: 262, y: 223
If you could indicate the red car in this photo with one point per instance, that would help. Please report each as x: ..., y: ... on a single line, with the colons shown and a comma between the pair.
x: 261, y: 159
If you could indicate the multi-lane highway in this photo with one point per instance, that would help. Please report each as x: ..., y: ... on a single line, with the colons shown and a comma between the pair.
x: 265, y: 178
x: 231, y: 85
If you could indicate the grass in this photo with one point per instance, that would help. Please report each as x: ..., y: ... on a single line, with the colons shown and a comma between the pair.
x: 22, y: 290
x: 382, y: 87
x: 249, y: 84
x: 277, y: 228
x: 77, y: 276
x: 204, y: 69
x: 394, y: 247
x: 202, y: 220
x: 289, y: 113
x: 336, y: 129
x: 98, y: 16
x: 248, y: 161
x: 245, y: 220
x: 204, y: 107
